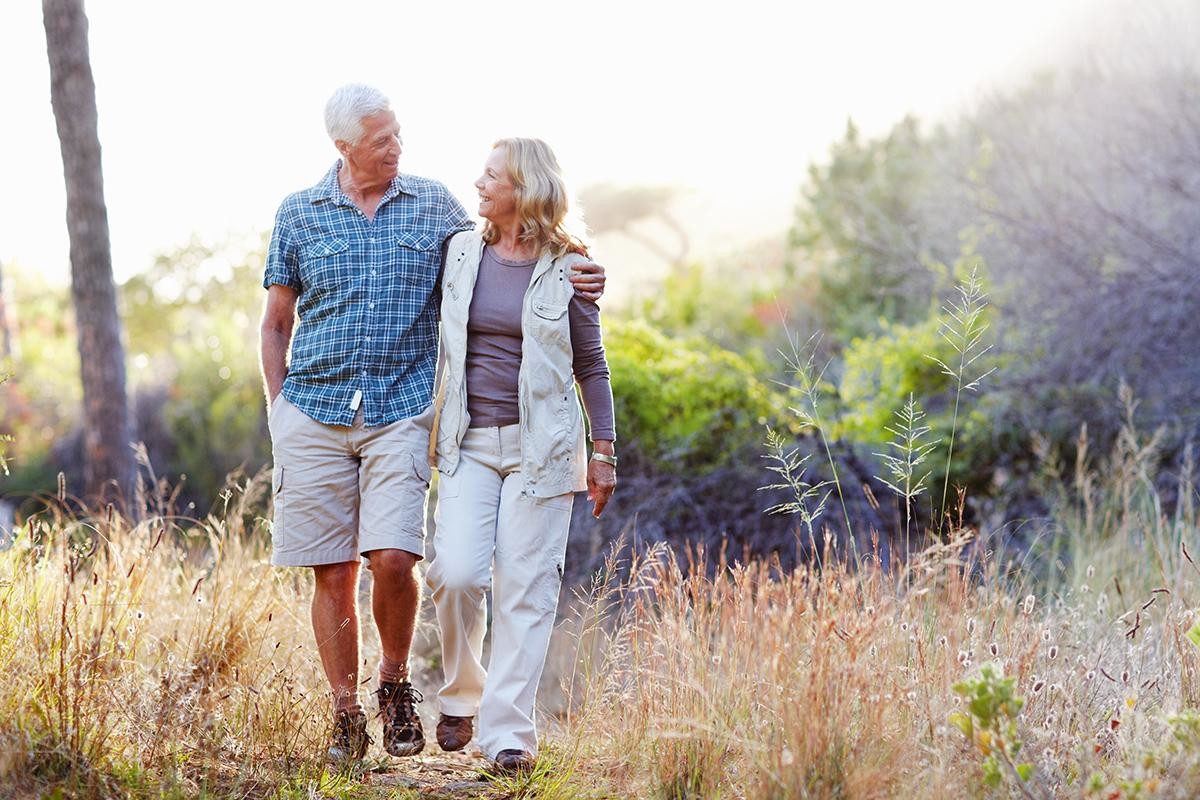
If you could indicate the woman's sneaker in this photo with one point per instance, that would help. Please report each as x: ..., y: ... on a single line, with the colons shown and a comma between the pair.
x: 349, y: 740
x: 402, y: 732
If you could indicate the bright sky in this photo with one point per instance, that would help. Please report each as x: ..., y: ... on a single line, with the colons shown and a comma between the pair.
x: 210, y: 112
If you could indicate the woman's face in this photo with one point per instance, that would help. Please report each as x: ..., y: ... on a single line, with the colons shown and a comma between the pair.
x: 497, y: 195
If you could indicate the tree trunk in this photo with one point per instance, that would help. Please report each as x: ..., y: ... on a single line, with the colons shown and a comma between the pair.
x: 108, y: 460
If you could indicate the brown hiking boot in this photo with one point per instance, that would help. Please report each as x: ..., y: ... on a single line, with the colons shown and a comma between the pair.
x: 514, y: 762
x: 453, y: 733
x: 349, y: 740
x: 402, y: 732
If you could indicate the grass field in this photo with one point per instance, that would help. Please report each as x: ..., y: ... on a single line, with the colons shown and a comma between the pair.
x: 166, y: 658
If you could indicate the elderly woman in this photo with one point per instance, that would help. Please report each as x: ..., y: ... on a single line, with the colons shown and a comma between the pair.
x: 510, y: 446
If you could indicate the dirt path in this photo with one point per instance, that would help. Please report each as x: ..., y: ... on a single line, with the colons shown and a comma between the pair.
x: 433, y: 775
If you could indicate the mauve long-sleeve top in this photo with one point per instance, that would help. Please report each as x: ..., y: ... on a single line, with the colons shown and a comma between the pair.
x: 494, y: 348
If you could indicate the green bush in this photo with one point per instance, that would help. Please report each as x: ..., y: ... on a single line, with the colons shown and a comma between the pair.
x: 687, y: 404
x: 879, y: 374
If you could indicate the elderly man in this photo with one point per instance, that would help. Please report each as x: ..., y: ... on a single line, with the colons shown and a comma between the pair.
x: 357, y: 259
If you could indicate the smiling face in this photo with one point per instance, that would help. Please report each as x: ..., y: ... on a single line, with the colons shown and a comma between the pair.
x: 375, y: 158
x: 497, y: 192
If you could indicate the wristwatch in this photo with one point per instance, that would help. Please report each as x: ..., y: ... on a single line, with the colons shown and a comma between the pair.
x: 606, y: 459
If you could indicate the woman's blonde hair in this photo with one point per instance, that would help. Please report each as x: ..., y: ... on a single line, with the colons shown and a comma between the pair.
x: 541, y: 196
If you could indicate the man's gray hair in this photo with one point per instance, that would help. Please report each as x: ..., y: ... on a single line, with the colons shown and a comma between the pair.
x: 346, y: 108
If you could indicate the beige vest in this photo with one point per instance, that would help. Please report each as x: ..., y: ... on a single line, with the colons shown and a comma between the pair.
x: 553, y: 452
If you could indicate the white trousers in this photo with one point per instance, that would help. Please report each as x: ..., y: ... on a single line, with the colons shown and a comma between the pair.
x: 489, y: 532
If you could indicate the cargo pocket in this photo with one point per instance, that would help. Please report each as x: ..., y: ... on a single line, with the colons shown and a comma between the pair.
x: 421, y: 468
x: 277, y: 503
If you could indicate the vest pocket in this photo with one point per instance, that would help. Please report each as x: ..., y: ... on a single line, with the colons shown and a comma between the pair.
x: 550, y: 311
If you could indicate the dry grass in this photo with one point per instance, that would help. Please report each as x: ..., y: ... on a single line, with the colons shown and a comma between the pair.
x: 166, y: 658
x: 838, y: 682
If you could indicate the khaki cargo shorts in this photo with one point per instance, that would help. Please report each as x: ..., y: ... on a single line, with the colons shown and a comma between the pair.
x: 342, y: 492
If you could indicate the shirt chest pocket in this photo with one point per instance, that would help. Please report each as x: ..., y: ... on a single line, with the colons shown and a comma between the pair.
x: 418, y: 258
x: 326, y: 262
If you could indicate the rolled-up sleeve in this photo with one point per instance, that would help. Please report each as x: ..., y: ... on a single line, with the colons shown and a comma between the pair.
x: 283, y: 254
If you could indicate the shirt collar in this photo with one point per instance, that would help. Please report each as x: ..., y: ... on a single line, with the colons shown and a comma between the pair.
x: 330, y: 189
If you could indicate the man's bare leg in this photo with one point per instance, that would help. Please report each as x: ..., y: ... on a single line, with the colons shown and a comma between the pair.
x: 395, y: 600
x: 335, y: 624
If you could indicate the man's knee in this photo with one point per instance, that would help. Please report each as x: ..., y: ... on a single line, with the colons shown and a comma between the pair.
x: 393, y: 567
x: 337, y: 578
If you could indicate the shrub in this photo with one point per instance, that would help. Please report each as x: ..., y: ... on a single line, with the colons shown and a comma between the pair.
x: 686, y: 404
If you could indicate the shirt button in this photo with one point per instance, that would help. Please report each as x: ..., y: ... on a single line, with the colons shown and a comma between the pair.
x: 371, y: 239
x: 372, y: 273
x: 370, y: 305
x: 368, y: 340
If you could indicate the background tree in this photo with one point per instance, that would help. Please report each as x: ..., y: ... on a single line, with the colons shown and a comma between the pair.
x: 608, y: 208
x: 108, y: 460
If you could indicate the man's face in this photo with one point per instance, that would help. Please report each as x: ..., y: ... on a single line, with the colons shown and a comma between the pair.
x: 375, y: 158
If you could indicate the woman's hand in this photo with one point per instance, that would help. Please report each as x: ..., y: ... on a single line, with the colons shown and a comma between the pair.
x: 601, y: 478
x: 588, y: 280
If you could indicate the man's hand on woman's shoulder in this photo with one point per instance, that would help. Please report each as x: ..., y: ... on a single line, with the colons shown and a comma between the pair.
x: 588, y: 280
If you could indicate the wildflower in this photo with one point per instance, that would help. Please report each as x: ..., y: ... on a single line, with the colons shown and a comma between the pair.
x: 942, y: 641
x: 912, y: 697
x: 1052, y: 653
x: 1131, y: 701
x: 140, y: 615
x: 1038, y: 685
x: 1055, y: 688
x: 1125, y: 676
x: 869, y: 610
x: 971, y: 625
x: 1091, y: 571
x: 994, y: 649
x: 199, y: 599
x: 963, y: 656
x: 786, y: 758
x: 904, y: 627
x: 1027, y: 604
x: 1084, y: 588
x: 1046, y: 635
x: 1090, y: 676
x: 1049, y: 723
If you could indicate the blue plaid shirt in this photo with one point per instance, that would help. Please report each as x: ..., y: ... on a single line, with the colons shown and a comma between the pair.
x: 369, y: 296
